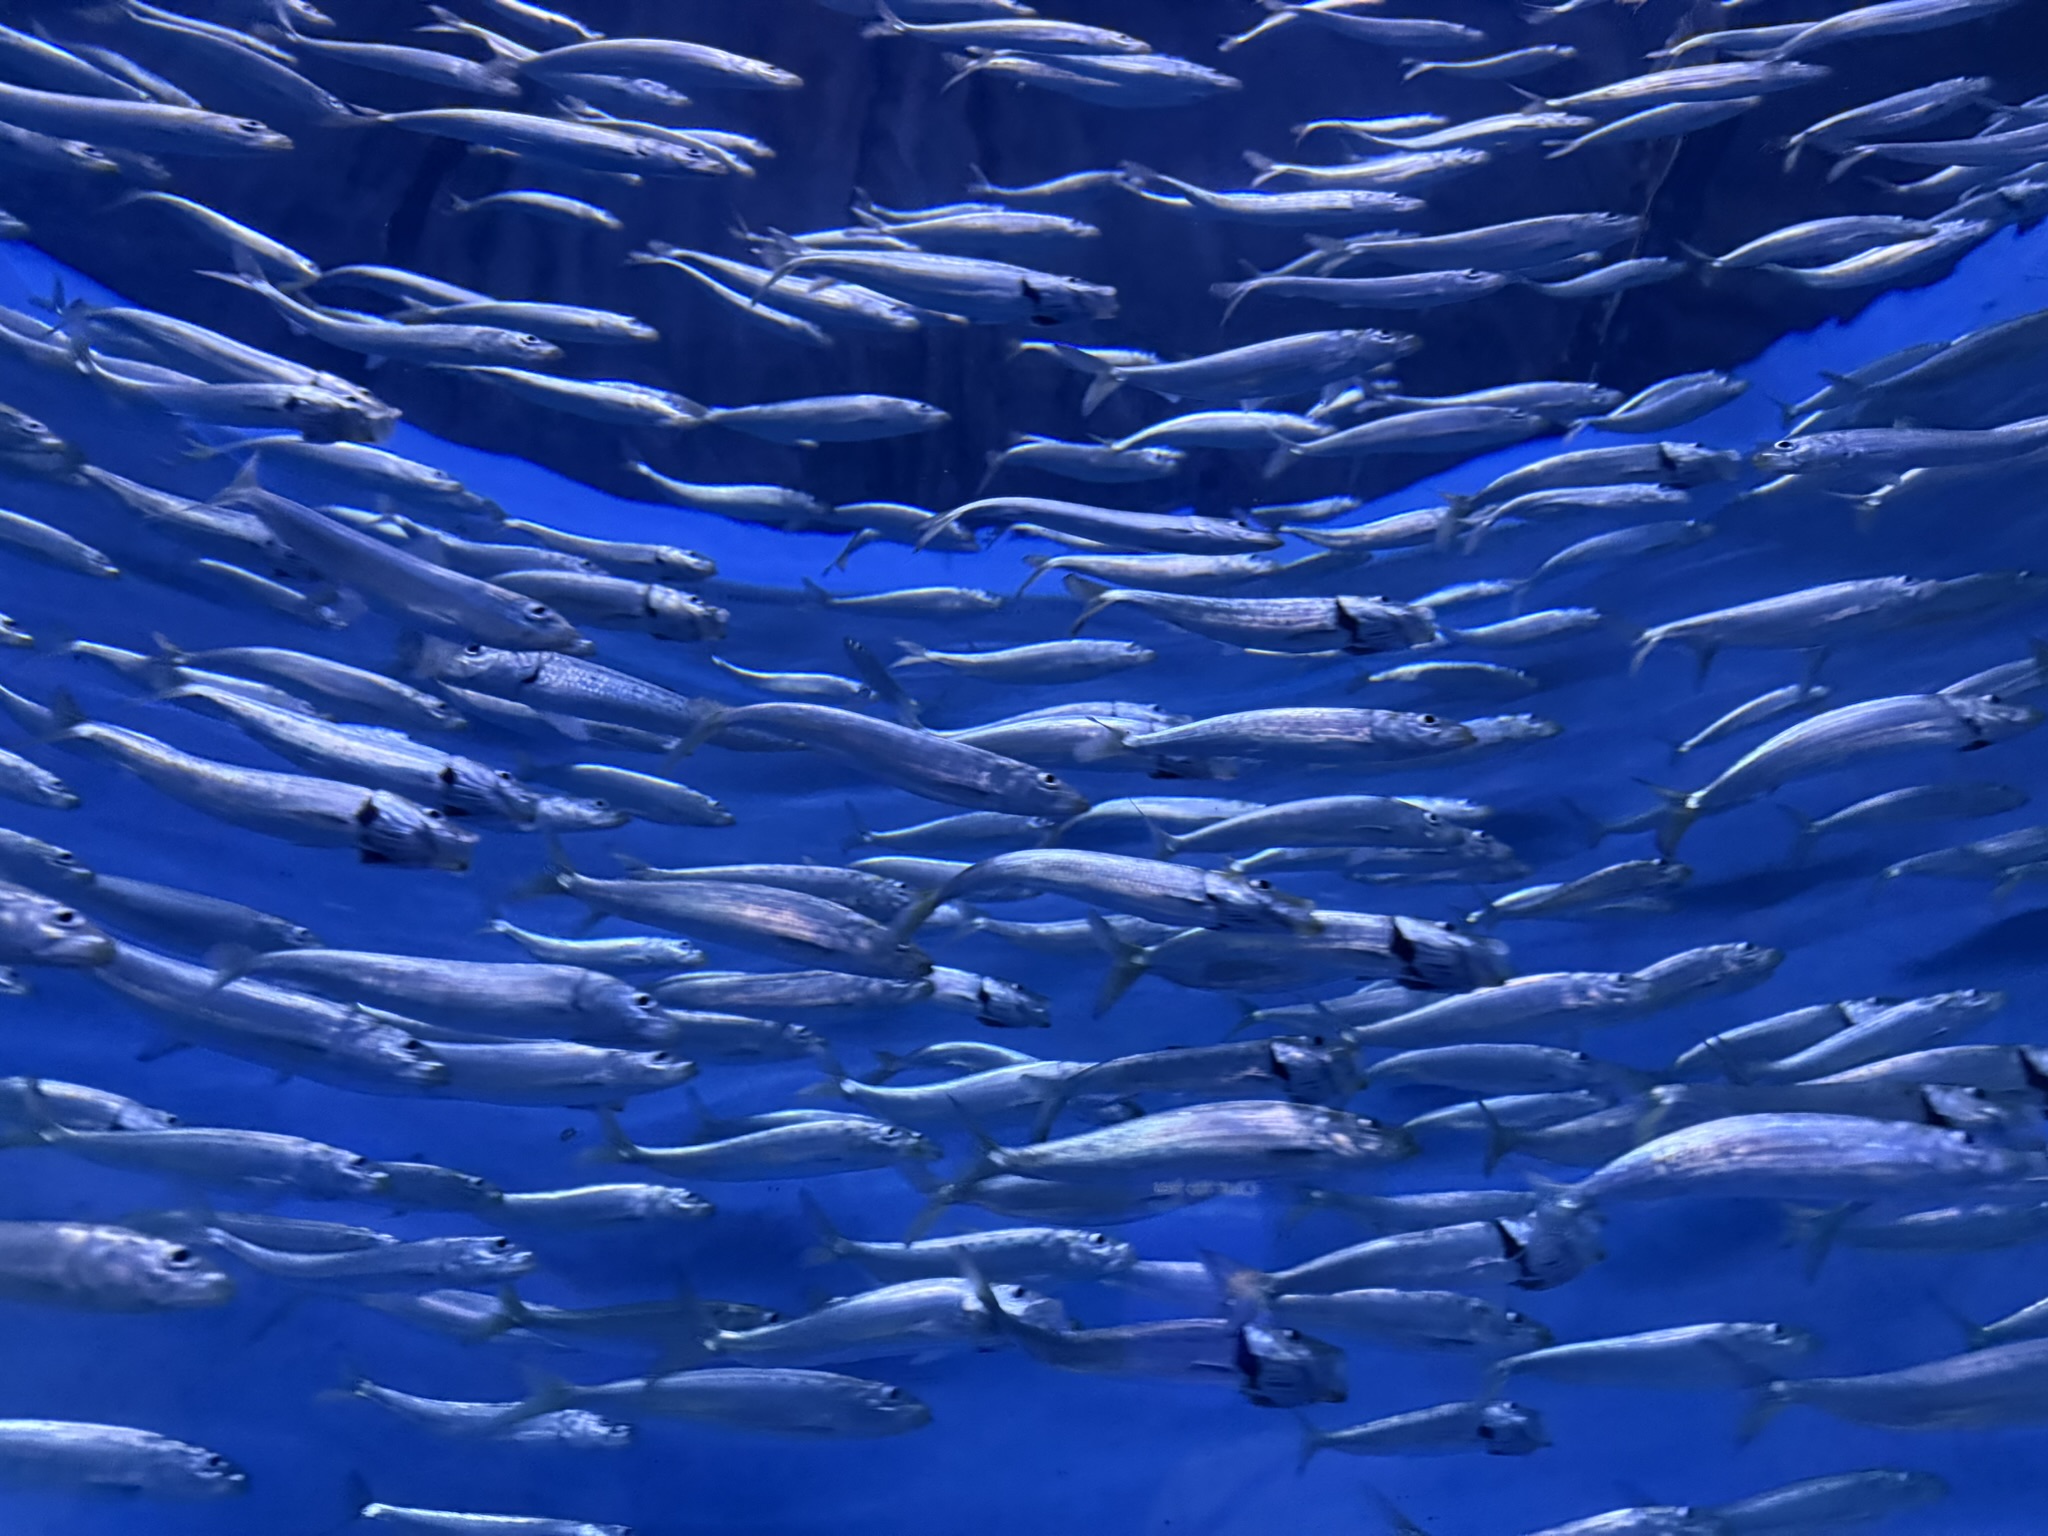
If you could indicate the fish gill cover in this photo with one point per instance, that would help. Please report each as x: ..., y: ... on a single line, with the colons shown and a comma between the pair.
x: 1224, y: 738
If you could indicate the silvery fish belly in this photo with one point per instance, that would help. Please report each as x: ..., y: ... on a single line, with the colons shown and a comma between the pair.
x: 1011, y: 730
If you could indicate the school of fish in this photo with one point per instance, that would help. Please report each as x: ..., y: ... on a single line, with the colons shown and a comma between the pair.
x: 1366, y: 1039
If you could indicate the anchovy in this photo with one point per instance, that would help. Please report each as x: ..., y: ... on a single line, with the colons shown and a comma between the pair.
x: 1845, y: 736
x: 918, y: 761
x: 111, y: 1459
x: 1495, y: 1428
x: 1290, y: 365
x: 518, y: 999
x: 384, y: 828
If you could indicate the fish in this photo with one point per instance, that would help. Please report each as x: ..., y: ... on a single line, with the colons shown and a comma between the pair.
x: 114, y: 1459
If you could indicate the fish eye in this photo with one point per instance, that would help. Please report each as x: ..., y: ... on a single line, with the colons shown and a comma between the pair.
x: 64, y: 916
x: 892, y: 1394
x: 216, y: 1460
x: 660, y: 1058
x: 500, y: 1244
x: 643, y: 1000
x: 1785, y: 442
x: 506, y: 777
x: 435, y: 816
x: 251, y: 125
x: 1430, y: 720
x: 63, y: 856
x: 1048, y: 778
x: 356, y: 1160
x: 1260, y: 885
x: 178, y: 1256
x: 473, y: 649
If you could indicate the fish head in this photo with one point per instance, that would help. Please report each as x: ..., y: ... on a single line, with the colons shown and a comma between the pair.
x: 394, y: 1053
x: 1421, y: 735
x: 893, y: 1404
x: 612, y: 1003
x: 87, y: 158
x: 392, y: 830
x: 1251, y: 904
x: 648, y: 1069
x: 192, y: 1471
x: 475, y: 666
x: 320, y: 417
x: 1559, y: 1241
x: 1775, y: 1339
x: 1353, y: 1138
x: 484, y: 1259
x: 337, y: 1175
x: 684, y: 564
x: 656, y: 1202
x: 1005, y: 1005
x: 1992, y: 720
x: 474, y: 789
x: 581, y: 1427
x: 159, y: 1273
x: 1509, y: 1429
x: 1284, y: 1368
x: 1051, y: 795
x: 44, y: 861
x: 679, y: 616
x: 1447, y: 958
x: 906, y: 1143
x: 13, y: 636
x: 1027, y: 1306
x: 1315, y: 1074
x: 1067, y: 298
x: 1094, y: 1253
x: 248, y: 133
x: 279, y: 934
x: 1513, y: 1331
x: 543, y: 629
x: 38, y: 930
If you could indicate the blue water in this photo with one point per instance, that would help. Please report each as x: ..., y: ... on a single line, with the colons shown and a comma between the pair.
x: 1015, y: 1447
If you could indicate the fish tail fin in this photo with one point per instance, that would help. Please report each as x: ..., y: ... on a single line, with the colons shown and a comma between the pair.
x: 1095, y: 595
x: 862, y: 835
x: 545, y: 1393
x: 1312, y: 1440
x: 618, y: 1146
x: 1500, y: 1140
x: 935, y: 528
x: 831, y: 1242
x: 231, y: 962
x: 1242, y: 1290
x: 1848, y: 163
x: 1772, y: 1398
x: 1803, y: 834
x: 1127, y: 962
x: 1974, y: 1337
x: 513, y: 1305
x: 886, y: 24
x: 913, y: 654
x: 1813, y: 1229
x: 1100, y: 388
x: 918, y: 913
x: 713, y: 722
